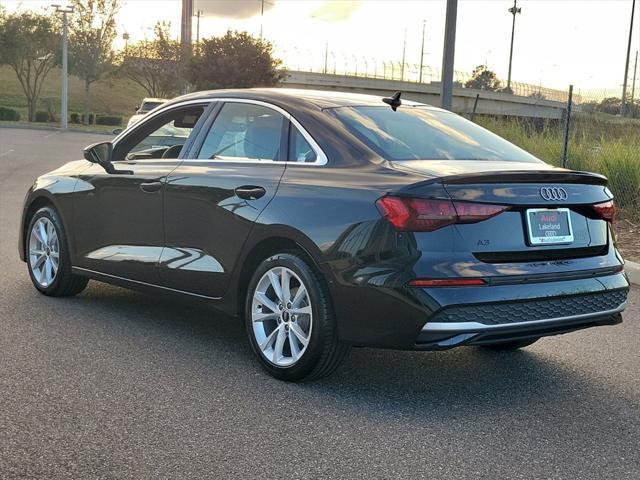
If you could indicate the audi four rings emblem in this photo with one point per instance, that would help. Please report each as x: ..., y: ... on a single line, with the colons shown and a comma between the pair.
x: 553, y: 193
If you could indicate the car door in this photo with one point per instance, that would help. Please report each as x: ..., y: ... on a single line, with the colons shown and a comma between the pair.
x: 119, y: 217
x: 213, y: 197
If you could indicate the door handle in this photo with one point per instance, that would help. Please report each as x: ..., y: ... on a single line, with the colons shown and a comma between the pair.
x: 250, y: 192
x: 150, y: 187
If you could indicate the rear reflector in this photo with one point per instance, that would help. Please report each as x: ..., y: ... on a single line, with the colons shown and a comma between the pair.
x: 447, y: 282
x: 427, y: 215
x: 606, y: 211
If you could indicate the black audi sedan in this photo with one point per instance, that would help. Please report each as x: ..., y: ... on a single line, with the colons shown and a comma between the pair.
x: 326, y: 220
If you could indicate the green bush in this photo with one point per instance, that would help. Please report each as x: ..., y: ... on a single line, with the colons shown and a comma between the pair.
x: 75, y: 118
x: 9, y: 114
x: 42, y: 116
x: 108, y: 120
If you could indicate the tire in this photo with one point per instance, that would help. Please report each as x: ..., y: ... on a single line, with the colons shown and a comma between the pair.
x: 46, y: 277
x: 298, y: 341
x: 506, y: 346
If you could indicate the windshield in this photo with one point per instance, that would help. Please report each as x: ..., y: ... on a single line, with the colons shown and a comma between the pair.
x: 420, y: 133
x: 148, y: 106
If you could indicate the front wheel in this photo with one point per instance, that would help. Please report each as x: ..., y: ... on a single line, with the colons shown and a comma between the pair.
x: 48, y: 256
x: 290, y: 320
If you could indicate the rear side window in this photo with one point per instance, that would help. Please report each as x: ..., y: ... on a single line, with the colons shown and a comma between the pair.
x: 299, y: 149
x: 244, y: 131
x: 420, y: 133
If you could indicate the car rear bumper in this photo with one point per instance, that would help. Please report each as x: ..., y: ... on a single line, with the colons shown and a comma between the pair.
x: 441, y: 336
x: 437, y: 318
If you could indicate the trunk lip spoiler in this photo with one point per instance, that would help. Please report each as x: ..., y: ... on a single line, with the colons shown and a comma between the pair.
x: 517, y: 176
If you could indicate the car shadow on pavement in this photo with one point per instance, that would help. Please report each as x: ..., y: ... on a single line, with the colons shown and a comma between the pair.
x: 437, y: 385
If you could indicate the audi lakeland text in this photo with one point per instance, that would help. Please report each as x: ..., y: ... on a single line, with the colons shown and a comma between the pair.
x: 324, y: 220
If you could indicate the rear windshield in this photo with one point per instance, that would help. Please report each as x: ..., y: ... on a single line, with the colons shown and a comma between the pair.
x: 420, y: 133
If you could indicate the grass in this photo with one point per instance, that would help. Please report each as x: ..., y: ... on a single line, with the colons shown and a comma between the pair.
x: 596, y: 144
x: 112, y: 97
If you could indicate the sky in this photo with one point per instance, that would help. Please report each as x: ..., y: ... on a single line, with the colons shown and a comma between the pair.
x: 557, y: 42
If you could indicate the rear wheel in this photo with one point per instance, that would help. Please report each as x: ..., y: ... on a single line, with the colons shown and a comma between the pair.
x: 290, y: 321
x: 505, y: 346
x: 48, y: 258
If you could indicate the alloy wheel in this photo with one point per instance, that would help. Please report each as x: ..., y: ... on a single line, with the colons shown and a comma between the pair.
x: 282, y: 317
x: 44, y: 252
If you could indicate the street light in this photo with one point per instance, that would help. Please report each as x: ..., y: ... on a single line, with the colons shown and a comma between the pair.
x: 513, y: 11
x: 63, y: 100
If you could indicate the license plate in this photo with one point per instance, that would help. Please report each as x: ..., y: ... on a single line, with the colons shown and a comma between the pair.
x: 549, y: 226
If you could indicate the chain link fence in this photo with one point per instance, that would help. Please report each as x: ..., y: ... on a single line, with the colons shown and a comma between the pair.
x: 599, y: 139
x: 603, y: 136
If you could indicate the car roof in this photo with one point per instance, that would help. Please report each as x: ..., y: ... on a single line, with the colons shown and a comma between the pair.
x: 285, y: 96
x: 159, y: 100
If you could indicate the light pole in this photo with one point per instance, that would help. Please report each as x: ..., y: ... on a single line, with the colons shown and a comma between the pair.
x: 448, y: 54
x: 63, y: 97
x: 513, y: 11
x: 424, y: 24
x: 404, y: 51
x: 198, y: 15
x: 125, y: 37
x: 626, y: 65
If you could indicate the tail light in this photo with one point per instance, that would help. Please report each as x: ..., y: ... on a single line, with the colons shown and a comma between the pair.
x: 427, y: 215
x: 606, y: 211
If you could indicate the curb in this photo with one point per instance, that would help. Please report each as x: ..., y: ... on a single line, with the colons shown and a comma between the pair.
x: 633, y: 272
x: 55, y: 129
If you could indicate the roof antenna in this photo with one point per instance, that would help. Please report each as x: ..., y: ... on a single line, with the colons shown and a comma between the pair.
x: 393, y: 101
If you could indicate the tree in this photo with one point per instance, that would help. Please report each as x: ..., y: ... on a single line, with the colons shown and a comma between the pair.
x: 29, y: 43
x: 483, y: 79
x: 154, y: 64
x: 92, y: 30
x: 235, y: 60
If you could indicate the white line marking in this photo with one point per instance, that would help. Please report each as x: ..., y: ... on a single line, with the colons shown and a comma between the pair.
x: 7, y: 152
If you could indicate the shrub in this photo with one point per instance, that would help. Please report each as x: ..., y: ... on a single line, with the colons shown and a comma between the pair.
x: 9, y: 114
x: 50, y: 104
x: 42, y: 116
x: 108, y: 120
x: 91, y: 118
x: 75, y: 118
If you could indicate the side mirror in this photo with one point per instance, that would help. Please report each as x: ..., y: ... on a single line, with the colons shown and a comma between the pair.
x: 101, y: 153
x: 117, y: 131
x: 137, y: 108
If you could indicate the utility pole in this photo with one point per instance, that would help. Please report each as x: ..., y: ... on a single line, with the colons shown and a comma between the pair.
x: 623, y: 107
x: 185, y: 34
x: 633, y: 86
x: 513, y: 11
x: 424, y: 23
x: 404, y: 51
x: 446, y: 88
x: 198, y: 15
x: 65, y: 69
x: 261, y: 17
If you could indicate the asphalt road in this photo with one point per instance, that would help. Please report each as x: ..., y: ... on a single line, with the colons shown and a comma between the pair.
x: 117, y: 384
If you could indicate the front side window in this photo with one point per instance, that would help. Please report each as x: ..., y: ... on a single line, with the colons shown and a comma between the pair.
x: 160, y: 137
x: 244, y: 131
x: 419, y: 133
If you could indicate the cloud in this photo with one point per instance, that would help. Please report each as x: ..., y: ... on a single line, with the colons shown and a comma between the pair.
x: 231, y: 8
x: 336, y: 10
